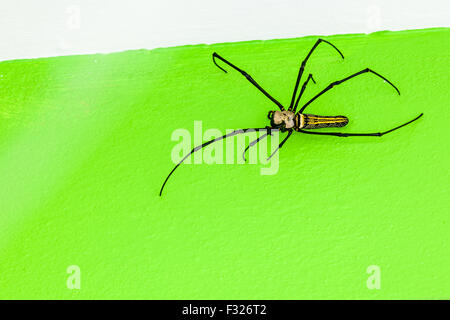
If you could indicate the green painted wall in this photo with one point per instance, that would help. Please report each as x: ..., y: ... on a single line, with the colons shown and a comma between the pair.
x: 85, y: 145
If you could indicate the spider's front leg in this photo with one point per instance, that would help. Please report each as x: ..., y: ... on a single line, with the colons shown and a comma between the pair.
x: 248, y: 77
x: 302, y: 68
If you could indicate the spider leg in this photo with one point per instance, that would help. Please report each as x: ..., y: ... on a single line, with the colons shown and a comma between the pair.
x: 281, y: 144
x: 302, y: 68
x: 248, y: 77
x: 333, y: 84
x: 310, y: 77
x: 233, y: 133
x: 254, y: 142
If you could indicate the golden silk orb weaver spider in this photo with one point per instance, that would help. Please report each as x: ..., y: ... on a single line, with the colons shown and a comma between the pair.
x: 290, y: 120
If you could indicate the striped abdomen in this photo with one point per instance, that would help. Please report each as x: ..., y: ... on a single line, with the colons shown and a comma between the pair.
x: 312, y: 121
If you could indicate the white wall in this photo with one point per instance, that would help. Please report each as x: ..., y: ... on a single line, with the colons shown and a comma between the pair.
x: 61, y: 27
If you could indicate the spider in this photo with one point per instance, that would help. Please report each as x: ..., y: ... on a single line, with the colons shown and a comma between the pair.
x: 290, y: 120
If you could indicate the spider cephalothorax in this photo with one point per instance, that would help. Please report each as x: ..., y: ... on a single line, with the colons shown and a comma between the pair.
x: 283, y: 120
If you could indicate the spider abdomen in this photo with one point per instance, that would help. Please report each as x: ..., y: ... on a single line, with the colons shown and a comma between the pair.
x: 312, y: 121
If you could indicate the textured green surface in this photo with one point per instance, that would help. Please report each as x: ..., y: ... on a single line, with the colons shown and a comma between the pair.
x: 85, y: 145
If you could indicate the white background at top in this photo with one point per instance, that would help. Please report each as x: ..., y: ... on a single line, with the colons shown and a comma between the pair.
x: 30, y: 29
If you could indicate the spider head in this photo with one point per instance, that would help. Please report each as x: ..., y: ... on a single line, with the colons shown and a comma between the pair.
x: 282, y: 120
